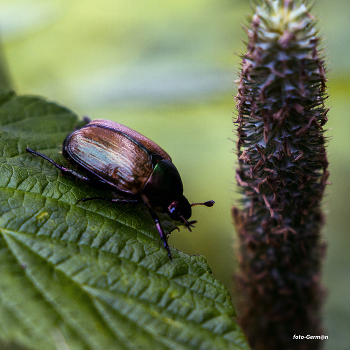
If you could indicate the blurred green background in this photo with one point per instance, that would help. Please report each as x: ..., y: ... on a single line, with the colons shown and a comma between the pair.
x: 167, y: 69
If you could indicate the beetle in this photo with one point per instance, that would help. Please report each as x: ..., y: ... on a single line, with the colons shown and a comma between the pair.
x: 131, y: 166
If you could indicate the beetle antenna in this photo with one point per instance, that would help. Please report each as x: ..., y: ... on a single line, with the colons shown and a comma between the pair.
x: 207, y: 204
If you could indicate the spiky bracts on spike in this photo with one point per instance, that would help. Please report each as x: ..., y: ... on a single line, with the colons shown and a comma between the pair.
x: 282, y: 175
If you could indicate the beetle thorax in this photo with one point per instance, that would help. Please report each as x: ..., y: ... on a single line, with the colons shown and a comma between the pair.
x: 163, y: 187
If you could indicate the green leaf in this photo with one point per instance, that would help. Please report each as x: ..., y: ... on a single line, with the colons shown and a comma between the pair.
x: 91, y: 275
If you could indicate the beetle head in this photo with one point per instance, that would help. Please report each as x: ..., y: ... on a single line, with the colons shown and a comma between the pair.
x: 180, y: 210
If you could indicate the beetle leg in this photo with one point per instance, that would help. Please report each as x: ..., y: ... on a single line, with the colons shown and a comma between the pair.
x: 118, y: 200
x: 161, y: 232
x: 64, y: 171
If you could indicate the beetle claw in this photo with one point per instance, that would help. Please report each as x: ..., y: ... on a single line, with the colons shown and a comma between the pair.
x: 189, y: 224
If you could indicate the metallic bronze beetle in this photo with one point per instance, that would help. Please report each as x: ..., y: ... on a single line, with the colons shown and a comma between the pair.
x: 132, y: 166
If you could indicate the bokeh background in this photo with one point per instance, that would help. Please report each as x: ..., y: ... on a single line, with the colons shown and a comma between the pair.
x: 167, y: 69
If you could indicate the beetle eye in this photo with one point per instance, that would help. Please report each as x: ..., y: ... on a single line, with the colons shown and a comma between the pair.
x: 172, y: 209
